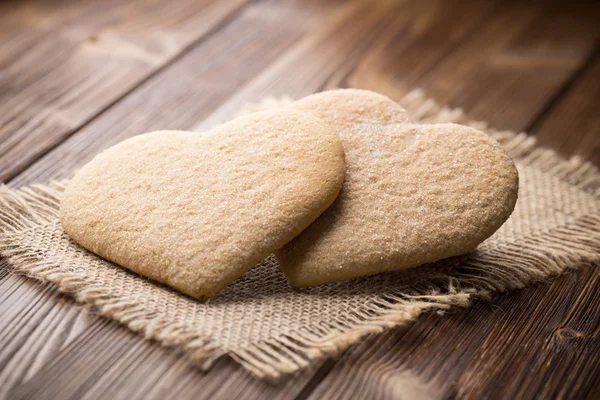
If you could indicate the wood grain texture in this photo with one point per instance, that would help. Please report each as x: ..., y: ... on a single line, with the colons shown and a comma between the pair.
x: 35, y: 323
x: 327, y: 58
x: 125, y: 367
x: 533, y: 343
x: 60, y: 68
x: 517, y: 64
x: 572, y: 123
x: 504, y: 72
x: 182, y: 95
x: 192, y: 107
x: 255, y: 38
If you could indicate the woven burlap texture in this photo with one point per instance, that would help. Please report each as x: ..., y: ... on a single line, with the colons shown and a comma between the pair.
x: 273, y: 330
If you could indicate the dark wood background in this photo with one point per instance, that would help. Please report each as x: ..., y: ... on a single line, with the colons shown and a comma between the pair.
x: 78, y: 76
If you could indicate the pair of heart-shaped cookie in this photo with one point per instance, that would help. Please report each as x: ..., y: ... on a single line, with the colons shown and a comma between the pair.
x: 196, y: 211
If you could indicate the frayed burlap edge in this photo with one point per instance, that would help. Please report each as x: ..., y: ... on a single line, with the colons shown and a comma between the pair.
x: 578, y: 243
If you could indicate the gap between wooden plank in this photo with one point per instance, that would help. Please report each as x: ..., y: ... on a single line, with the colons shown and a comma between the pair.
x: 552, y: 102
x: 21, y: 166
x: 272, y: 82
x: 572, y: 126
x: 328, y: 387
x: 238, y: 369
x: 290, y: 32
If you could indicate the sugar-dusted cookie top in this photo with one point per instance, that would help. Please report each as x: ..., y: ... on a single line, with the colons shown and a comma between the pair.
x: 196, y: 211
x: 413, y: 193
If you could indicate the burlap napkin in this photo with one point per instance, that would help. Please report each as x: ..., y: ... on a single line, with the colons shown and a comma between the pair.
x: 271, y: 329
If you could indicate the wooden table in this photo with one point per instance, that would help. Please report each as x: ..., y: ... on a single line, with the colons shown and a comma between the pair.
x: 78, y: 76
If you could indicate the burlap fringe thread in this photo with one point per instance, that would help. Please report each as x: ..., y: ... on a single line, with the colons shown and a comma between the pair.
x: 578, y: 244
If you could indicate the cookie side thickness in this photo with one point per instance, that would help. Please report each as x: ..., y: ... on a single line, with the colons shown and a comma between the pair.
x: 196, y: 211
x: 413, y: 194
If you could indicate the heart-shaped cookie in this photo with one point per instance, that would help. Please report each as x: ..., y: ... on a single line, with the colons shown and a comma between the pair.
x: 413, y: 193
x: 196, y: 211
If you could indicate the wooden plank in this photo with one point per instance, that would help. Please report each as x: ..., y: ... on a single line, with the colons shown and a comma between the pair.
x: 126, y: 367
x: 561, y: 356
x: 572, y: 124
x: 35, y: 323
x: 519, y: 59
x: 505, y: 73
x: 81, y: 59
x: 477, y: 364
x: 255, y: 38
x: 328, y: 61
x: 190, y: 90
x: 86, y: 143
x: 303, y: 83
x: 29, y: 29
x: 87, y: 146
x: 539, y: 342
